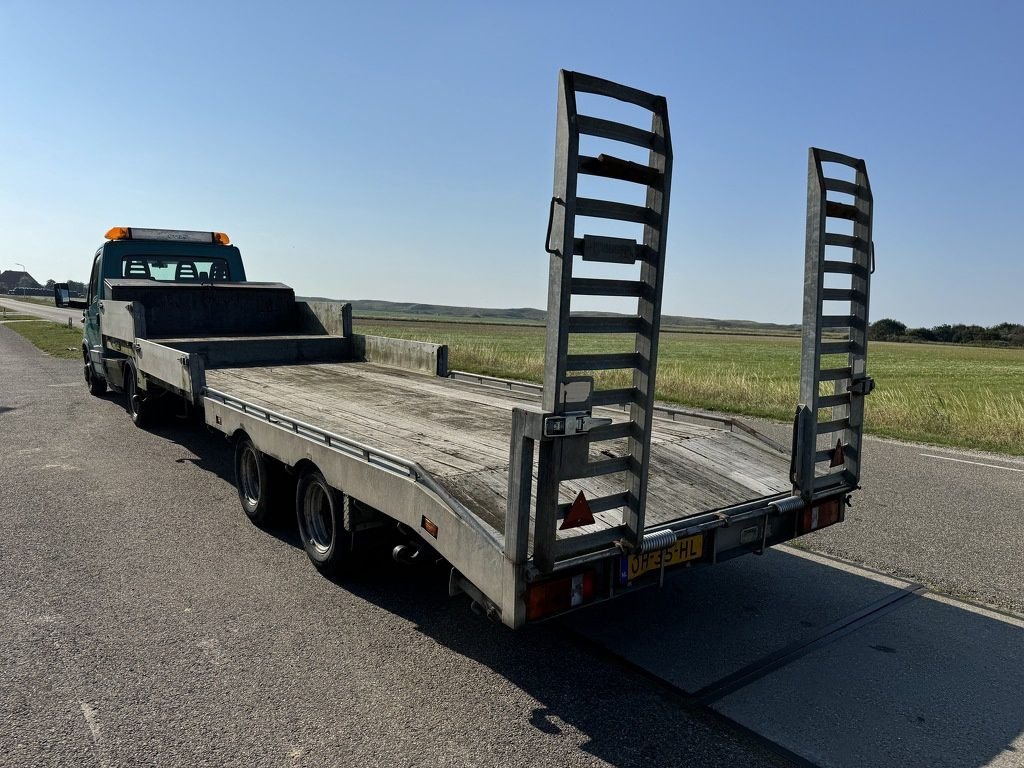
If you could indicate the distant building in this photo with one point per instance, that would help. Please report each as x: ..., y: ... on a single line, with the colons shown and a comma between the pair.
x: 13, y: 278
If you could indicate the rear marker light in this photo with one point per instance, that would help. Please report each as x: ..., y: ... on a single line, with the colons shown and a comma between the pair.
x: 546, y: 598
x: 820, y: 516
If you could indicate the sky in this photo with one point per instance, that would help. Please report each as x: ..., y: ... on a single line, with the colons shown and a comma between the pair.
x: 404, y: 151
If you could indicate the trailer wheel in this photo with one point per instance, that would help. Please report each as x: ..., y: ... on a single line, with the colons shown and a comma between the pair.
x: 97, y: 384
x: 138, y: 408
x: 254, y: 479
x: 319, y: 509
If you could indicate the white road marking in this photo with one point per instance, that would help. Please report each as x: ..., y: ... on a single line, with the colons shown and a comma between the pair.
x: 965, y: 461
x: 90, y: 714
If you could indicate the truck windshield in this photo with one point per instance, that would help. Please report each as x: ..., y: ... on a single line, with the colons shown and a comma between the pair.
x: 175, y: 269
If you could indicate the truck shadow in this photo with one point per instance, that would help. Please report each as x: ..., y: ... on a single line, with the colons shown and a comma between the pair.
x: 905, y: 679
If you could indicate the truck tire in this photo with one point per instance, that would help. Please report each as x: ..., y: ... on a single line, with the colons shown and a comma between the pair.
x: 97, y: 384
x: 319, y: 509
x: 138, y: 408
x: 255, y: 480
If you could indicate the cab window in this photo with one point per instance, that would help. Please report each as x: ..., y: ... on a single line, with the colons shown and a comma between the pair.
x: 94, y: 280
x: 175, y: 269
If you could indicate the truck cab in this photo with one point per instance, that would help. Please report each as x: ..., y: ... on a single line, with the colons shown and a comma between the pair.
x: 158, y: 255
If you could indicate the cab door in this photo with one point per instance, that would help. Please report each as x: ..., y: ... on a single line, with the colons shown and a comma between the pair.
x: 93, y: 337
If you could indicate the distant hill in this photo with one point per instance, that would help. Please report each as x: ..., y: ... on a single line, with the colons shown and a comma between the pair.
x: 399, y: 310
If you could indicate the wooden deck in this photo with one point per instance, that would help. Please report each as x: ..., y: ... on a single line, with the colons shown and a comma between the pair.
x: 459, y: 433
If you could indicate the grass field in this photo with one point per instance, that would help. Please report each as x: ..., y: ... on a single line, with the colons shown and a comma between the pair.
x: 949, y: 395
x: 53, y: 338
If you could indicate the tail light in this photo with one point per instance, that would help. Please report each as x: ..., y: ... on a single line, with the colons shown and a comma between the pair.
x: 546, y: 598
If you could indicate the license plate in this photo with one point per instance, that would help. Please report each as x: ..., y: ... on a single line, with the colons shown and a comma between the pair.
x: 684, y: 550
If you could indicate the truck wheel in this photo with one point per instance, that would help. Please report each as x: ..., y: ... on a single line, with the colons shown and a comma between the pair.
x: 137, y: 406
x: 320, y: 513
x: 97, y: 384
x: 254, y: 480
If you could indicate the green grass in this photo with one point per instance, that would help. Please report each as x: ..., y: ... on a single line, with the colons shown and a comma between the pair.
x: 53, y: 338
x: 944, y: 394
x: 48, y: 300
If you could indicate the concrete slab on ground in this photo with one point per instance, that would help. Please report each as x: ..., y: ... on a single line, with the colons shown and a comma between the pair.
x: 838, y: 665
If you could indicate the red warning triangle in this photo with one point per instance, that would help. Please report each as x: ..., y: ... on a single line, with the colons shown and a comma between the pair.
x: 838, y: 456
x: 579, y: 514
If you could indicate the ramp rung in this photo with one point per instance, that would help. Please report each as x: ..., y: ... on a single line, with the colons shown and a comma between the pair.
x: 824, y: 427
x: 601, y: 87
x: 846, y: 187
x: 841, y: 321
x: 614, y: 432
x: 610, y: 167
x: 831, y: 401
x: 845, y: 211
x: 594, y: 286
x: 609, y: 250
x: 837, y: 347
x: 606, y: 325
x: 606, y: 209
x: 603, y: 362
x: 846, y: 241
x: 828, y: 156
x: 845, y: 268
x: 841, y: 294
x: 602, y: 467
x: 625, y: 396
x: 834, y: 374
x: 600, y: 504
x: 609, y: 129
x: 848, y: 450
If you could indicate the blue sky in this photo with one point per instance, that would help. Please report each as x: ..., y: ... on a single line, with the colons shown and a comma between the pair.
x: 404, y: 151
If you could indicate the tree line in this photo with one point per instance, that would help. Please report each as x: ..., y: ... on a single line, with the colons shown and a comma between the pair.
x: 1001, y: 335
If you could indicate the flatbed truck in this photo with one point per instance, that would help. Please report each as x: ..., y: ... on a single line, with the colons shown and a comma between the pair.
x: 541, y: 498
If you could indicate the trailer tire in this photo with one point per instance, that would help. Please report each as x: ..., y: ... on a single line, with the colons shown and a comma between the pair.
x: 320, y: 513
x: 97, y: 384
x: 255, y: 481
x: 138, y: 408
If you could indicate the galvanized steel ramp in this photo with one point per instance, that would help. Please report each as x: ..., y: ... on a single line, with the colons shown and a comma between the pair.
x: 591, y: 228
x: 837, y: 286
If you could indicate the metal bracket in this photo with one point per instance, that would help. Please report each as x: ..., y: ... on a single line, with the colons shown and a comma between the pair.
x: 569, y: 424
x: 862, y: 387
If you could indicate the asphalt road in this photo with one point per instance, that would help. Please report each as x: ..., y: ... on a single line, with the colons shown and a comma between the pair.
x: 952, y: 520
x: 45, y: 311
x: 147, y: 622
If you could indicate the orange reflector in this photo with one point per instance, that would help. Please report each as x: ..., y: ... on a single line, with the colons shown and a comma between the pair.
x: 821, y: 516
x: 546, y: 598
x: 429, y: 526
x: 579, y: 514
x: 838, y: 455
x: 118, y: 233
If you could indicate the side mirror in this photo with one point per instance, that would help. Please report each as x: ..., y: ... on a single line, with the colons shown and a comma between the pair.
x: 61, y: 295
x: 62, y: 298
